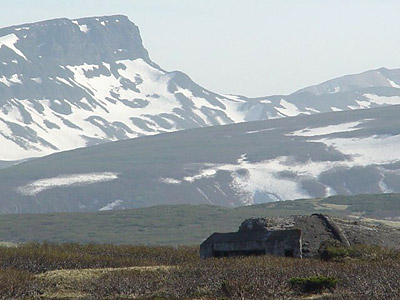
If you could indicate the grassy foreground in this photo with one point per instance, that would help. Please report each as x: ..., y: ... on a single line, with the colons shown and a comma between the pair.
x: 72, y: 271
x: 180, y: 224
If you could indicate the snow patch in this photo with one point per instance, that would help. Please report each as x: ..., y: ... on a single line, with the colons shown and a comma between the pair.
x: 37, y: 79
x: 382, y: 99
x: 232, y: 109
x: 335, y: 90
x: 265, y: 101
x: 206, y: 173
x: 258, y: 131
x: 35, y: 187
x: 363, y: 104
x: 288, y: 109
x: 84, y: 28
x: 367, y: 151
x: 394, y: 84
x: 344, y: 127
x: 167, y: 180
x: 21, y: 28
x: 257, y: 177
x: 9, y: 41
x: 64, y: 81
x: 15, y: 79
x: 112, y: 205
x: 312, y: 110
x: 4, y: 80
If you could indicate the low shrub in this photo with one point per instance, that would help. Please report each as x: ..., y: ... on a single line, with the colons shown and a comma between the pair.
x: 263, y: 277
x: 314, y: 284
x: 42, y: 257
x: 334, y: 253
x: 372, y: 273
x: 16, y: 284
x: 362, y: 252
x: 251, y: 278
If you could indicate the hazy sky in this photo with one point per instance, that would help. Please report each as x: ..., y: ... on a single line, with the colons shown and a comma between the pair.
x: 248, y: 47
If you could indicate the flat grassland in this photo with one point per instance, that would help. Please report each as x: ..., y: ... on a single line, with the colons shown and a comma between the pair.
x: 73, y: 271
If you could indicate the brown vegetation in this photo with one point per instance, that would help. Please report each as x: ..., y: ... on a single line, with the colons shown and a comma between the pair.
x: 263, y: 277
x: 39, y: 258
x: 360, y: 273
x: 16, y: 284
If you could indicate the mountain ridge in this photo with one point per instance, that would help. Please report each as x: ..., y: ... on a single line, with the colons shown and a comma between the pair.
x: 386, y: 78
x: 91, y: 81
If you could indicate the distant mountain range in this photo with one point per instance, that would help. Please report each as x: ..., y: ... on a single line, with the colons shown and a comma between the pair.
x: 66, y: 84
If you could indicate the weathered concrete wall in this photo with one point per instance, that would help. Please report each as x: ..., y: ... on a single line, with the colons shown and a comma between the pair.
x: 206, y: 251
x: 280, y: 243
x: 281, y: 248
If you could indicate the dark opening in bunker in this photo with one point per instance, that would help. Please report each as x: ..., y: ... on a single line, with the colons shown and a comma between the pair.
x: 289, y: 253
x: 253, y: 252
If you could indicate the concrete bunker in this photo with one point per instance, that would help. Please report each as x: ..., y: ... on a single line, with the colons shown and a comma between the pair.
x: 252, y: 239
x: 297, y: 236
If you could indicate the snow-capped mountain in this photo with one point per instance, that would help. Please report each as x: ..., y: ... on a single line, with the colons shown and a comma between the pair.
x: 66, y: 84
x: 359, y: 91
x: 346, y: 153
x: 71, y: 83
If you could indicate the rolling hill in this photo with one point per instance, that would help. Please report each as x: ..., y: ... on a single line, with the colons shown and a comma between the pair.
x: 183, y: 224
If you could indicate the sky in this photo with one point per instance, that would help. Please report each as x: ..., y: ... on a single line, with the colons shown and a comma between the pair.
x: 247, y: 47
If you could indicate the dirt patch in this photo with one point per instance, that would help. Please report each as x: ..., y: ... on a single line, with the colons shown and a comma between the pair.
x: 63, y: 284
x: 331, y: 206
x: 395, y: 224
x: 7, y: 244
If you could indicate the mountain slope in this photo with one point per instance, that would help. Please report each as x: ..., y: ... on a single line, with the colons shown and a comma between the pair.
x: 66, y: 84
x: 350, y: 152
